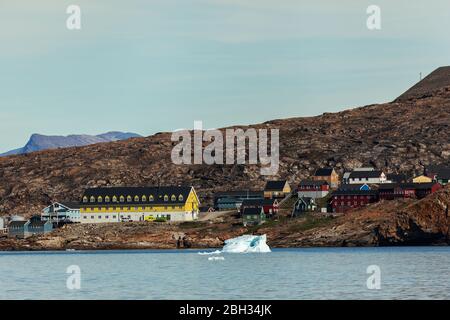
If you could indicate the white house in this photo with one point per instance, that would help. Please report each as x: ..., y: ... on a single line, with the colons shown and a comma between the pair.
x: 62, y: 212
x: 361, y: 177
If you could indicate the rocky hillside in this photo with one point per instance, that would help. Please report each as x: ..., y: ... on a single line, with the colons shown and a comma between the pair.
x: 439, y: 78
x: 401, y: 136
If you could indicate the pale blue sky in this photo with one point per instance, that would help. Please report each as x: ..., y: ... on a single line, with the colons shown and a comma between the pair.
x: 147, y: 66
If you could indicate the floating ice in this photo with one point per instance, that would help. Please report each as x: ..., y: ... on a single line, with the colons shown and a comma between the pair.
x: 242, y: 244
x: 246, y: 244
x: 216, y: 258
x: 210, y: 252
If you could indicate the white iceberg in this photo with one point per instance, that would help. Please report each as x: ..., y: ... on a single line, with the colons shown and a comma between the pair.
x: 216, y: 258
x: 246, y: 244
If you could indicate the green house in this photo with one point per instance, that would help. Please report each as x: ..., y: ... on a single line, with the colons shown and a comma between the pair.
x: 253, y: 216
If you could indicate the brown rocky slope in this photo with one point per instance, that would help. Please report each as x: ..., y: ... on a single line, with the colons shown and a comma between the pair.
x: 396, y: 137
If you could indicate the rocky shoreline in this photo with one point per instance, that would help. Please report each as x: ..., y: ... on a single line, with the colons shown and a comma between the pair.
x: 387, y: 223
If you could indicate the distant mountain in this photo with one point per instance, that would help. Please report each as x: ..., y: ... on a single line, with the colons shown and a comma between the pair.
x: 40, y: 142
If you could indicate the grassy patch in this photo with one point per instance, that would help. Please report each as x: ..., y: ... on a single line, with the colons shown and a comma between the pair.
x: 308, y: 222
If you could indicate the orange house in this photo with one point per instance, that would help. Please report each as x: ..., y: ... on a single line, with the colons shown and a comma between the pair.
x: 328, y: 175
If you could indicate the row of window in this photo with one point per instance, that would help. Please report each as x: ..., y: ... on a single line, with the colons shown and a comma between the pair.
x: 107, y: 199
x: 167, y: 217
x: 350, y: 197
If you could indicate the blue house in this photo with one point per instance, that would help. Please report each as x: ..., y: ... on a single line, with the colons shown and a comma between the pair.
x: 39, y: 227
x: 25, y: 229
x: 18, y: 229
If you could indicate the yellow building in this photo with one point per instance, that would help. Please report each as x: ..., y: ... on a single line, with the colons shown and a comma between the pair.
x: 277, y: 189
x: 118, y: 204
x: 422, y: 179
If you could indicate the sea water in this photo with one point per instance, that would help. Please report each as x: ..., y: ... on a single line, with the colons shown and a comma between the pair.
x: 316, y: 273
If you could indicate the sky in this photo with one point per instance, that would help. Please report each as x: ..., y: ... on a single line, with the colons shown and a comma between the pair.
x: 147, y: 66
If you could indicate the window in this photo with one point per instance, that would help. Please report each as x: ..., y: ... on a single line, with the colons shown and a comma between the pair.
x: 166, y: 197
x: 85, y: 199
x: 144, y: 198
x: 128, y: 198
x: 100, y: 199
x: 150, y: 198
x: 114, y: 217
x: 136, y: 198
x: 92, y: 217
x: 92, y: 199
x: 122, y: 199
x: 114, y: 199
x: 180, y: 197
x: 107, y: 199
x: 173, y: 198
x: 106, y: 217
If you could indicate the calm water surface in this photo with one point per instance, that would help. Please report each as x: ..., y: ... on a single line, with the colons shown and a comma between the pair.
x: 325, y: 273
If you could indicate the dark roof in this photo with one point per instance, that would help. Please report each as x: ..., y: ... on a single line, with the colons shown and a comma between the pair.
x: 258, y: 202
x: 158, y: 194
x: 352, y: 186
x: 323, y: 172
x: 354, y: 192
x: 400, y: 177
x: 38, y: 223
x: 365, y: 174
x: 275, y: 185
x: 417, y: 186
x: 251, y: 210
x: 313, y: 183
x: 238, y: 193
x: 71, y: 204
x: 441, y: 171
x: 17, y: 223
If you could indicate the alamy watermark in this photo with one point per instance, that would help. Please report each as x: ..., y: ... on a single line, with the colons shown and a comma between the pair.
x: 73, y: 282
x: 73, y: 22
x: 374, y: 280
x: 374, y: 20
x: 231, y: 149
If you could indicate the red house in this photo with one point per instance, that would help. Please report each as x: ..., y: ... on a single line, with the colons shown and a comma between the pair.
x: 390, y: 191
x: 270, y: 206
x: 344, y: 200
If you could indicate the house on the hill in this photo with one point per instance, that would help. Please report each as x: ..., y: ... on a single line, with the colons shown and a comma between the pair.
x: 232, y: 200
x: 18, y: 229
x: 438, y: 173
x: 390, y: 191
x: 344, y: 200
x: 313, y: 189
x: 360, y: 177
x: 304, y: 204
x: 39, y: 227
x: 277, y: 189
x: 270, y: 206
x: 253, y: 216
x: 422, y: 179
x: 396, y: 178
x: 123, y: 204
x: 328, y: 175
x: 62, y: 212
